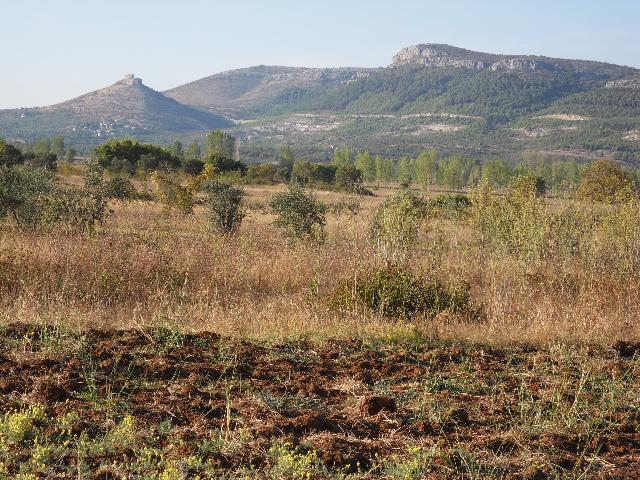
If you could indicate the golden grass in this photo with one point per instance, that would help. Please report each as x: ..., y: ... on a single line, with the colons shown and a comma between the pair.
x: 143, y: 268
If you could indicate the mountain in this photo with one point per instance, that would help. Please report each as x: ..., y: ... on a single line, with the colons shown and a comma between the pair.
x: 126, y: 108
x: 255, y: 87
x: 256, y: 91
x: 429, y: 96
x: 437, y: 55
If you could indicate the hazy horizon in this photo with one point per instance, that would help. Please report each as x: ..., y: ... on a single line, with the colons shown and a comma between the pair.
x: 62, y: 50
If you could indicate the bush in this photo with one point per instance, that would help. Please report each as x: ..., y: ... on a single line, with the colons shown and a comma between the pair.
x: 394, y: 228
x: 348, y: 177
x: 173, y: 195
x: 119, y: 188
x: 298, y: 213
x: 529, y: 185
x: 9, y: 155
x: 394, y: 292
x: 451, y: 206
x: 192, y: 166
x: 79, y: 209
x: 23, y: 193
x: 605, y: 181
x: 262, y: 174
x: 513, y: 224
x: 44, y: 160
x: 225, y: 207
x: 33, y: 200
x: 351, y: 205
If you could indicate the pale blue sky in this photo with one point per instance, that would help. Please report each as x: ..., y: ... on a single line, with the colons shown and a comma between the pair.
x: 53, y: 50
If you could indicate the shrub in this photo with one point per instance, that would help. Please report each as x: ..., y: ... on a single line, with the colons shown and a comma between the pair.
x: 394, y: 292
x: 394, y: 228
x: 23, y: 191
x: 173, y: 195
x: 315, y: 174
x: 79, y: 209
x: 351, y: 205
x: 262, y: 174
x: 119, y: 188
x: 298, y: 213
x: 605, y: 181
x: 32, y: 199
x: 9, y: 155
x: 225, y: 207
x: 529, y: 185
x: 613, y: 250
x: 512, y: 224
x: 192, y: 166
x: 451, y: 206
x: 44, y: 160
x: 348, y: 177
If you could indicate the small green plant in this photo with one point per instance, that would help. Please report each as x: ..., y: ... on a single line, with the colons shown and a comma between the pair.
x: 119, y: 188
x: 298, y: 213
x: 290, y: 462
x: 167, y: 337
x: 414, y: 465
x: 173, y: 195
x: 394, y: 292
x: 20, y: 426
x: 394, y: 228
x: 225, y: 207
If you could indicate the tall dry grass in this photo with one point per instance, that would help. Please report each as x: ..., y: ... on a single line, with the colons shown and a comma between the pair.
x: 144, y: 268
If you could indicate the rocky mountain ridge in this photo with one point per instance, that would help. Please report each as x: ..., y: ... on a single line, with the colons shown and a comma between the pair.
x: 441, y: 55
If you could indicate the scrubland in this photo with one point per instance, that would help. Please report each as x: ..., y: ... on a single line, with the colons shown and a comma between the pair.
x: 156, y: 348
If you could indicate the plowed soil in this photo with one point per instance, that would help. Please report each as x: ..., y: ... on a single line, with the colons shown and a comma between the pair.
x: 143, y: 404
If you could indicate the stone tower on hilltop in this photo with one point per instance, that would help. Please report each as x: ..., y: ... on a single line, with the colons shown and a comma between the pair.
x: 130, y: 79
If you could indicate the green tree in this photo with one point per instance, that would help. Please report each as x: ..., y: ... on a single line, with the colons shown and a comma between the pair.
x: 529, y: 185
x: 348, y: 178
x: 58, y: 146
x: 219, y: 152
x: 193, y: 151
x: 42, y: 146
x: 219, y: 144
x: 406, y: 171
x: 496, y: 172
x: 384, y: 169
x: 454, y: 171
x: 286, y: 160
x: 342, y: 157
x: 426, y: 166
x: 367, y: 165
x: 176, y: 149
x: 69, y: 154
x: 22, y: 193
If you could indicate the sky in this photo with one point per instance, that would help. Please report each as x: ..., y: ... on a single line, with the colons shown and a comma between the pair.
x: 54, y: 50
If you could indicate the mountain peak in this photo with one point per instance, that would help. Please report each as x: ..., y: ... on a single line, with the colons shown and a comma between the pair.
x: 130, y: 79
x: 442, y: 55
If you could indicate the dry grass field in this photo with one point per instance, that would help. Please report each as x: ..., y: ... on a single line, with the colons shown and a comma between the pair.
x: 156, y: 348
